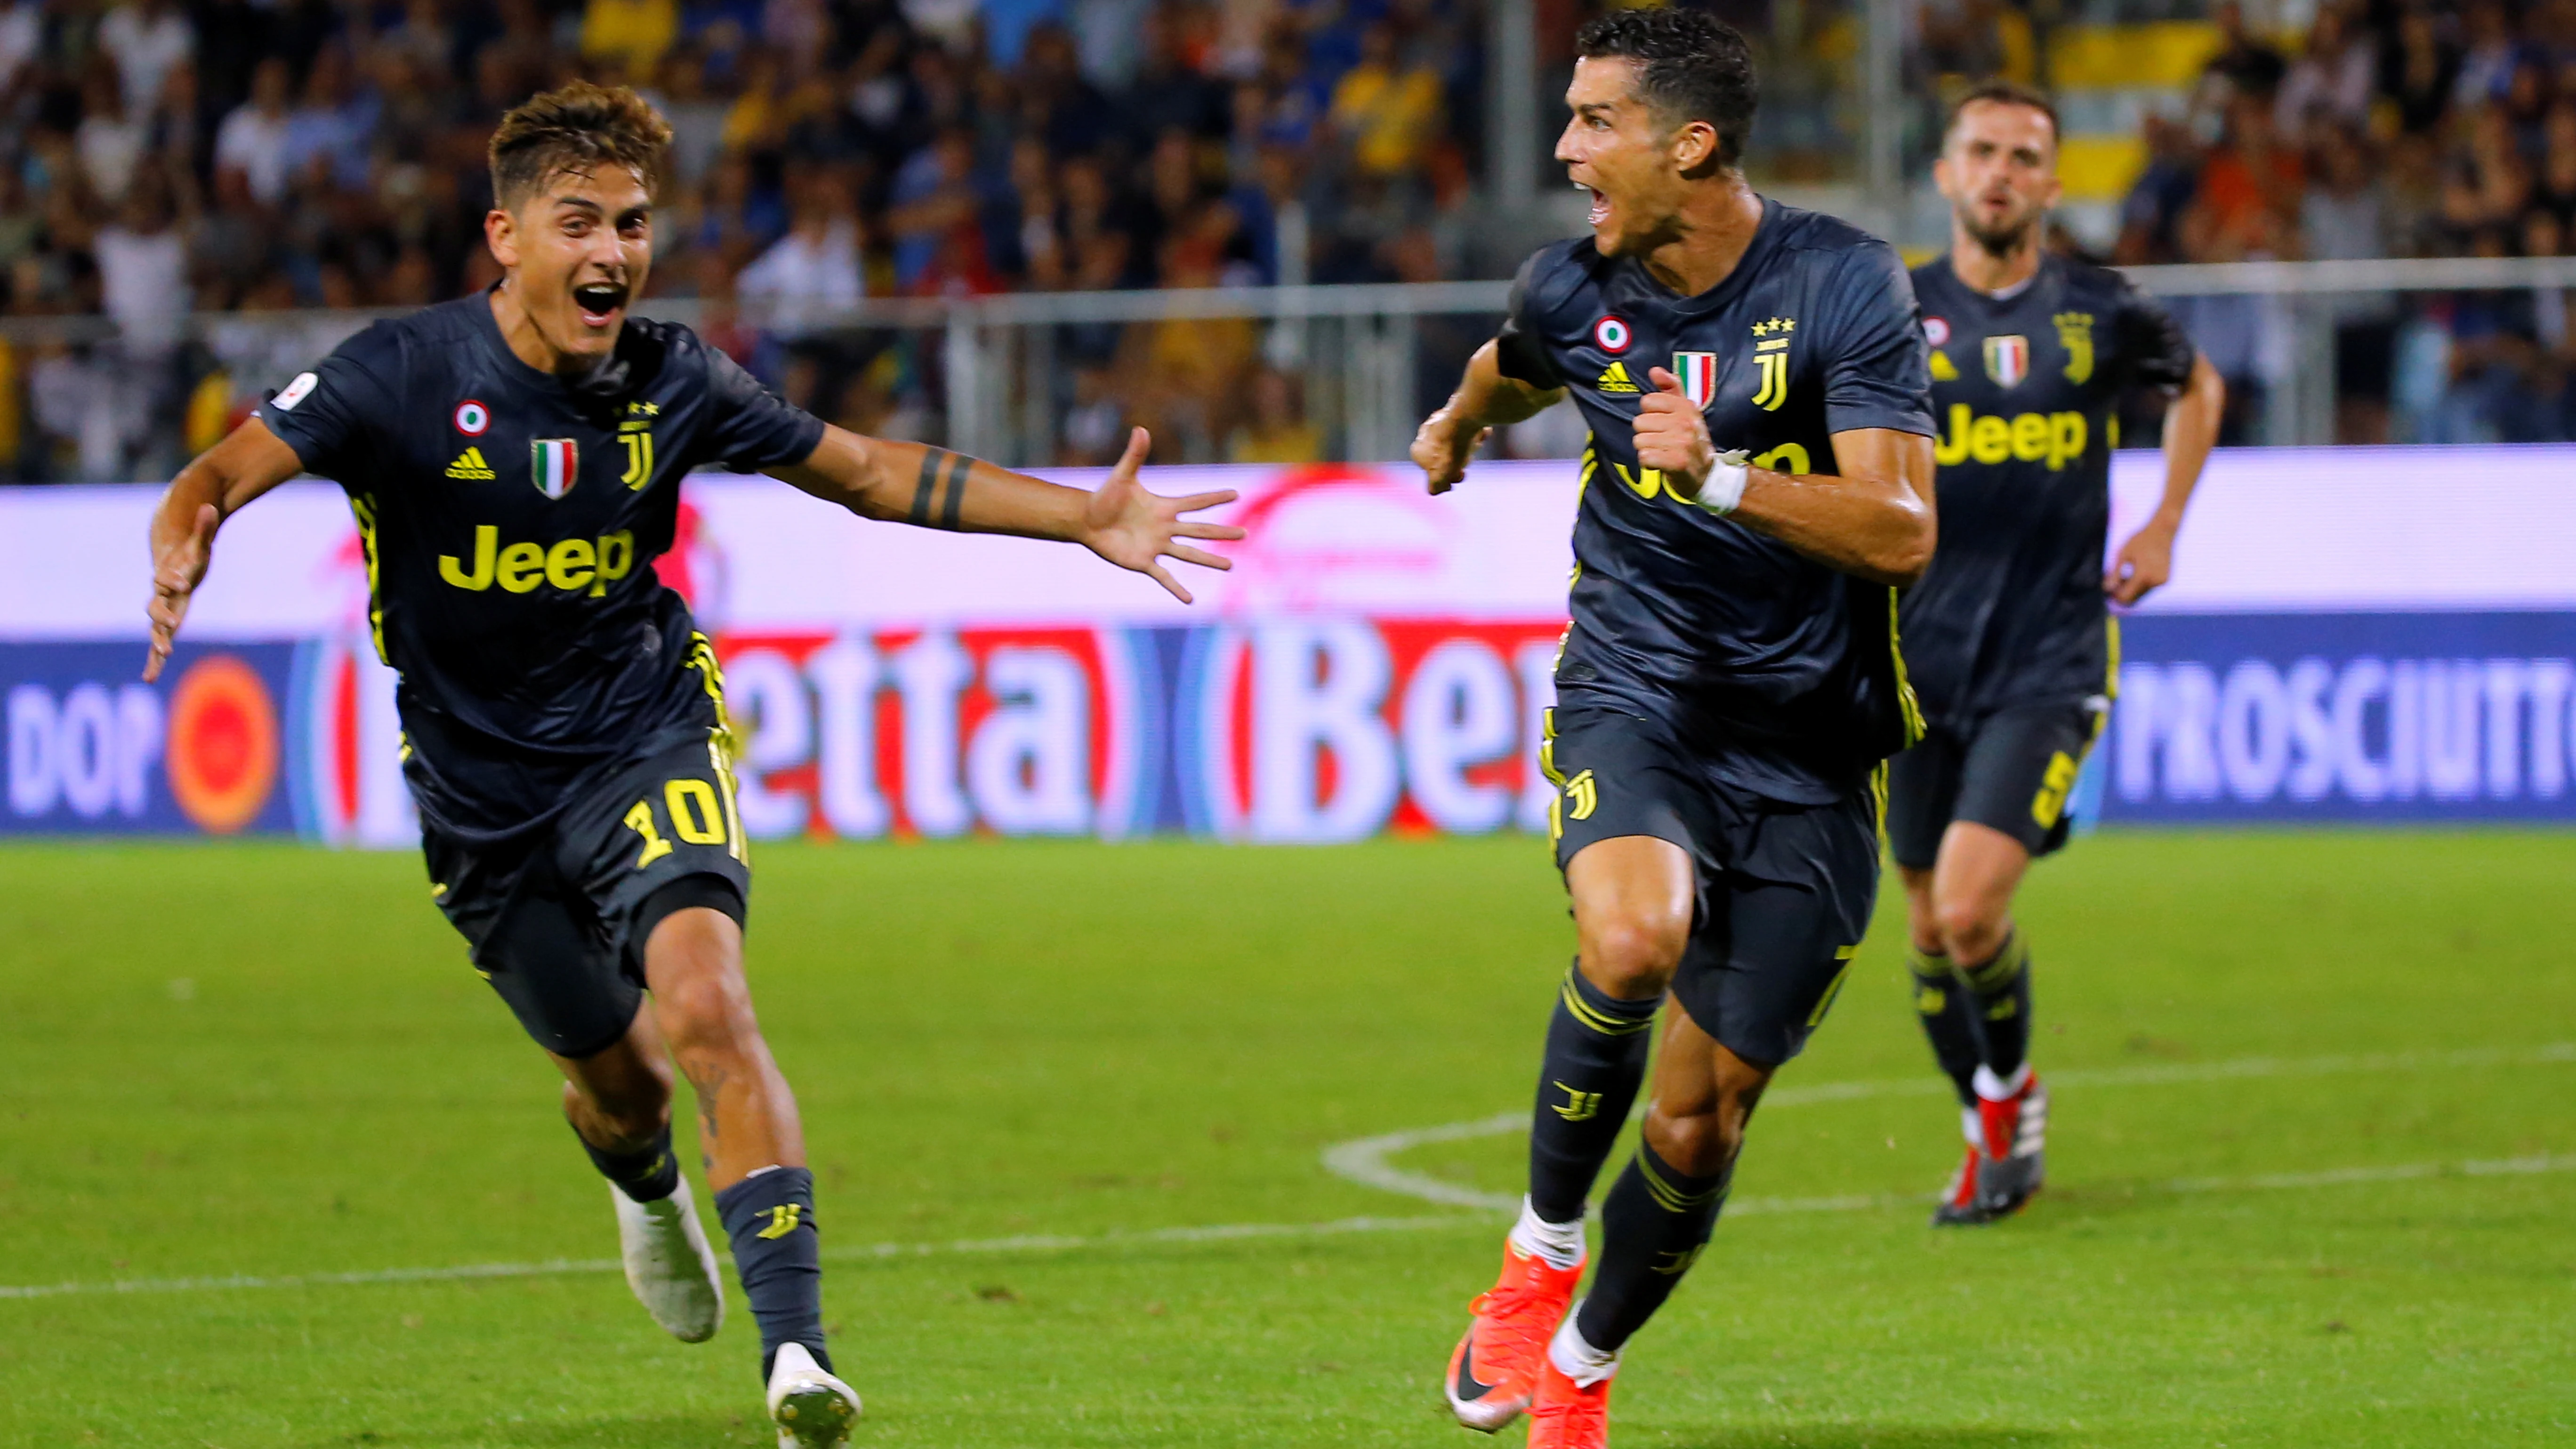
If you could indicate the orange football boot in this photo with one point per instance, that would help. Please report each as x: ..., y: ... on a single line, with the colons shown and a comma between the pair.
x: 1565, y: 1414
x: 1495, y: 1365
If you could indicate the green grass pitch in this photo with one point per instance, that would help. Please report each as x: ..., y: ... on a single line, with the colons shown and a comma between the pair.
x: 2277, y: 1054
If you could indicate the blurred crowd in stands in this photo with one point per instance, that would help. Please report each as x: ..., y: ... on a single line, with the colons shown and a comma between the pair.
x: 2391, y: 128
x: 240, y: 157
x: 159, y: 156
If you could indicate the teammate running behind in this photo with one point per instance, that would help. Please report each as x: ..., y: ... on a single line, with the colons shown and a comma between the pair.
x: 1758, y: 481
x: 514, y: 460
x: 2008, y: 636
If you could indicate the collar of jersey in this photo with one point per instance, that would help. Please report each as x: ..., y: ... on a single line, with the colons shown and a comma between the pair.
x: 1766, y: 238
x: 606, y: 380
x: 2047, y: 264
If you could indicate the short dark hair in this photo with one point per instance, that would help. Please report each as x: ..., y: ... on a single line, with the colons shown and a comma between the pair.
x: 2002, y: 92
x: 576, y: 128
x: 1691, y: 66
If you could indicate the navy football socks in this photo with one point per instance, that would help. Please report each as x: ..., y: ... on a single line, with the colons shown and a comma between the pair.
x: 1595, y: 1061
x: 1948, y: 1012
x: 1653, y: 1225
x: 646, y: 1175
x: 2002, y: 989
x: 777, y: 1253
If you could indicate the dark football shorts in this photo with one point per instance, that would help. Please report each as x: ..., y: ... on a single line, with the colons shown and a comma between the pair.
x: 557, y: 921
x: 1784, y: 890
x: 2011, y: 771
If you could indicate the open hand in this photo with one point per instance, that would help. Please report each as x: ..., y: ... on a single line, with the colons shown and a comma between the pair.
x: 1672, y: 435
x: 1441, y: 449
x: 2142, y: 565
x: 1136, y: 530
x: 175, y: 576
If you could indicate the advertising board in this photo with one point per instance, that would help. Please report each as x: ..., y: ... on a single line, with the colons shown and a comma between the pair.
x: 2332, y: 650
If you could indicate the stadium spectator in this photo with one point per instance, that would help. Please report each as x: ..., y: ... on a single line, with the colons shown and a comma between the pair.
x: 2419, y: 72
x: 815, y: 267
x: 143, y: 269
x: 2249, y: 189
x: 333, y: 125
x: 1276, y: 429
x: 252, y: 141
x: 111, y: 139
x: 2333, y: 81
x: 629, y: 36
x: 1384, y: 108
x: 22, y: 36
x: 146, y: 39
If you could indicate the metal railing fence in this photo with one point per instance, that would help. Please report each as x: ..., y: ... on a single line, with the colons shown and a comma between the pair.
x: 2441, y: 350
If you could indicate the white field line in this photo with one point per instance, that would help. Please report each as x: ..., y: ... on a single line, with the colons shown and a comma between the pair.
x: 1492, y: 1202
x: 554, y: 1267
x: 1364, y: 1161
x: 1234, y: 1232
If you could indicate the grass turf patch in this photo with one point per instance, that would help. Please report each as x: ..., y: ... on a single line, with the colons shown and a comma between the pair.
x: 266, y: 1061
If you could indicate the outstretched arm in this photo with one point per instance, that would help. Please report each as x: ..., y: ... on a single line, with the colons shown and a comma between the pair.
x: 1484, y: 401
x: 1874, y: 519
x: 2191, y: 428
x: 934, y: 488
x: 247, y: 463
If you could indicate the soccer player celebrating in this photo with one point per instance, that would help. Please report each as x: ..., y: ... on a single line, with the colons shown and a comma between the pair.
x: 514, y: 460
x: 1758, y: 480
x: 2008, y: 635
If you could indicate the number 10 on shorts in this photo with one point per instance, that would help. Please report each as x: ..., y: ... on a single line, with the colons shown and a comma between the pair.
x: 697, y: 817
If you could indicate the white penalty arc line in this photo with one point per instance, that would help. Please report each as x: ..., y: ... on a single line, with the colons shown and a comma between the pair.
x: 1347, y: 1158
x: 1365, y: 1161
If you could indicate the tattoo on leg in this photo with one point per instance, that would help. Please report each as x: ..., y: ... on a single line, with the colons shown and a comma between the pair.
x: 708, y: 1082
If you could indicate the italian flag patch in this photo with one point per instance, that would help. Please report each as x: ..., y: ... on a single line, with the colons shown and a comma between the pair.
x: 555, y: 463
x: 1698, y: 374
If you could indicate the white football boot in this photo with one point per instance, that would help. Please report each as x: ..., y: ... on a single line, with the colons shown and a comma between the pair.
x: 669, y: 1264
x: 812, y: 1409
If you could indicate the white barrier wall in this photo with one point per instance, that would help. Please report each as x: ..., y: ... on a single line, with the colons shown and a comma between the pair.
x: 2353, y: 634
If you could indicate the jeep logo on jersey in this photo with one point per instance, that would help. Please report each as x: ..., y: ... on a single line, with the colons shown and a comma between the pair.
x: 555, y: 463
x: 2007, y: 359
x: 1698, y: 372
x: 1612, y: 334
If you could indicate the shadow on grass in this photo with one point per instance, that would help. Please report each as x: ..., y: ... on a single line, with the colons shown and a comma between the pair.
x: 662, y: 1431
x: 1873, y: 1436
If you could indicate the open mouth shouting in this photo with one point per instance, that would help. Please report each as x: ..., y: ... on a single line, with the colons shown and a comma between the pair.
x: 1599, y: 211
x: 601, y: 304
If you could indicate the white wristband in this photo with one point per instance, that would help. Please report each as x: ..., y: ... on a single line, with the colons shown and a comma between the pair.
x: 1724, y: 488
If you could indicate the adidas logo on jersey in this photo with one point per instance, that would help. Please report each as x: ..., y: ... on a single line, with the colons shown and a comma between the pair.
x: 470, y: 464
x: 1614, y: 378
x: 1942, y: 371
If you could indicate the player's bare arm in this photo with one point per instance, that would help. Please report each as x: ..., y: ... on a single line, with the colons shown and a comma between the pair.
x: 1873, y: 519
x: 1485, y: 400
x: 934, y: 488
x: 221, y: 482
x: 2145, y: 562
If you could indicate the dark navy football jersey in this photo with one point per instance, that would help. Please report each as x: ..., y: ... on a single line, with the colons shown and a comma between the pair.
x: 2026, y: 390
x: 510, y: 523
x: 1781, y: 671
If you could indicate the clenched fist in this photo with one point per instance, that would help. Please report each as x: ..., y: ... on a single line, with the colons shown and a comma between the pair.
x: 1672, y: 435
